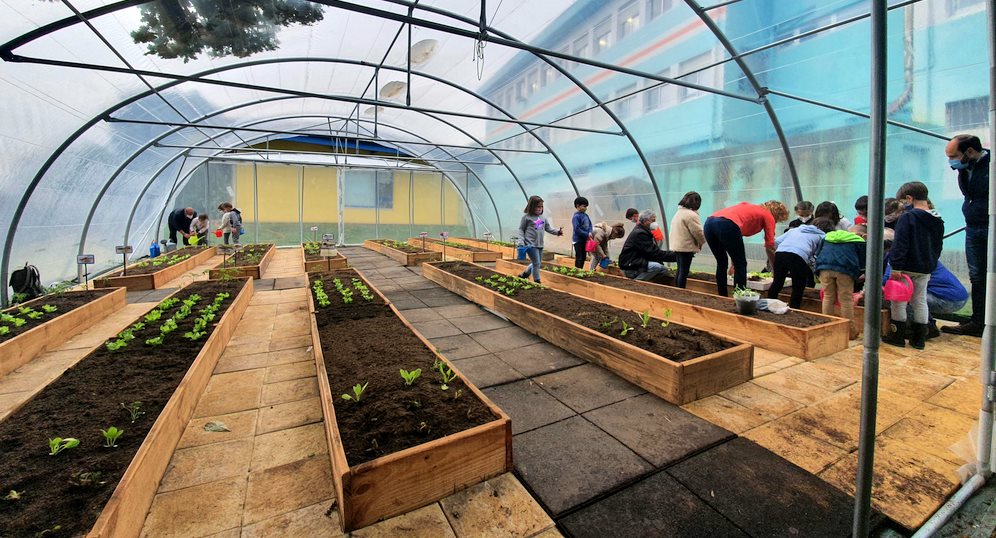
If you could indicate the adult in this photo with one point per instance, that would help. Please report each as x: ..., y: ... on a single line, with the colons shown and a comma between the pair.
x: 945, y: 295
x: 965, y: 154
x: 725, y: 231
x: 603, y: 234
x: 687, y: 237
x: 179, y: 221
x: 640, y: 257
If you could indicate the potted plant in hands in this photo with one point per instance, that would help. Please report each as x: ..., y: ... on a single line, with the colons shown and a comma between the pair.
x: 746, y: 300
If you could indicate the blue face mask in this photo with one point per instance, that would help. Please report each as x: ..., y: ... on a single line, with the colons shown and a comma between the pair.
x: 956, y: 164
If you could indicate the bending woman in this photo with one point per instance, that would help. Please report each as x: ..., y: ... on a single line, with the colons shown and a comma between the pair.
x: 725, y: 231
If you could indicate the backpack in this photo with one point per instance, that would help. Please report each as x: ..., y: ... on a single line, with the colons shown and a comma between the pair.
x: 235, y: 219
x: 27, y: 281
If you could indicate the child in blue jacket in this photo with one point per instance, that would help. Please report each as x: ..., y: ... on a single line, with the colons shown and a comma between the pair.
x: 795, y: 257
x: 582, y: 231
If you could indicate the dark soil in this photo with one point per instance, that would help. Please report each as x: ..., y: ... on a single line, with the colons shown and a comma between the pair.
x: 248, y: 256
x: 145, y: 267
x: 86, y: 399
x: 675, y: 342
x: 794, y: 318
x: 65, y: 302
x: 366, y: 343
x: 311, y: 254
x: 403, y: 247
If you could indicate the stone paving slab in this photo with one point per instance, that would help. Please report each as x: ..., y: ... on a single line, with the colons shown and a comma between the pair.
x: 539, y: 358
x: 504, y: 339
x: 528, y: 405
x: 658, y: 506
x: 763, y: 494
x: 573, y: 461
x: 487, y: 370
x: 587, y: 387
x: 457, y: 347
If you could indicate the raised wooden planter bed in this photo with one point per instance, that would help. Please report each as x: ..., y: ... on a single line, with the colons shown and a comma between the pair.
x: 402, y: 257
x: 323, y: 264
x: 125, y: 511
x: 153, y: 281
x: 568, y: 261
x: 20, y: 349
x: 804, y: 342
x: 247, y: 271
x: 677, y: 382
x: 457, y: 253
x: 417, y: 476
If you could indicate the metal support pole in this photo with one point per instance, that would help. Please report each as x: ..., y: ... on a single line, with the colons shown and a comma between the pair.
x: 873, y: 268
x: 989, y: 334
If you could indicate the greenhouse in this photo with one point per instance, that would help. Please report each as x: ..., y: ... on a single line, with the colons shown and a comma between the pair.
x: 473, y: 268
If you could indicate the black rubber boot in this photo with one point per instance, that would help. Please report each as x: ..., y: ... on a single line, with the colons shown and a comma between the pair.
x: 932, y: 330
x: 898, y: 337
x: 918, y: 335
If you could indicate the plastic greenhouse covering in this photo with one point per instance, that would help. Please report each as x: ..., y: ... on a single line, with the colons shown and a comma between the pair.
x: 115, y: 113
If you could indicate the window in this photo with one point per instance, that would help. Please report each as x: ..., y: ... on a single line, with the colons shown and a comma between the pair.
x: 547, y: 74
x: 520, y: 90
x: 603, y: 36
x: 957, y: 7
x: 580, y: 47
x: 624, y: 107
x: 566, y: 49
x: 967, y: 114
x: 385, y: 190
x: 364, y: 191
x: 656, y: 8
x: 532, y: 81
x: 629, y: 19
x: 659, y: 95
x: 702, y: 78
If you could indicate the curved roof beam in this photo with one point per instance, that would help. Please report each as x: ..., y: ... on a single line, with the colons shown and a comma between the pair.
x: 761, y: 91
x: 151, y: 143
x: 181, y: 181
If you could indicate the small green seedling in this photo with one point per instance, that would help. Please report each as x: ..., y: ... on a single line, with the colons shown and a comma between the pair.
x: 153, y: 316
x: 87, y: 479
x: 610, y: 323
x: 115, y: 345
x: 34, y: 314
x: 59, y: 444
x: 49, y: 308
x: 447, y: 375
x: 625, y: 329
x: 4, y: 330
x: 194, y: 335
x: 111, y: 436
x: 19, y: 322
x: 138, y: 326
x: 13, y: 496
x: 134, y: 410
x: 410, y: 377
x: 645, y: 318
x: 357, y: 391
x: 25, y: 310
x: 667, y: 318
x: 157, y: 341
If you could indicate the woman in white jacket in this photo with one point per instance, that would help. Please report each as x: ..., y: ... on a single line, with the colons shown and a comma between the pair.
x: 686, y: 234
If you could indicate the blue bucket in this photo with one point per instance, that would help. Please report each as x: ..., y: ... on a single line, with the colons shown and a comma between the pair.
x: 521, y: 251
x: 604, y: 263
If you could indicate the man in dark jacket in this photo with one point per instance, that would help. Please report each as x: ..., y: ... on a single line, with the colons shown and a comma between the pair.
x: 640, y: 258
x: 966, y: 156
x: 179, y: 221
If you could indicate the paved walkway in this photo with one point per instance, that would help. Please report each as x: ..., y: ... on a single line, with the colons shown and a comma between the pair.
x: 269, y: 475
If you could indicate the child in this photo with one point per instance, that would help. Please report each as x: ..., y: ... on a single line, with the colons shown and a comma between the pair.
x: 200, y: 227
x: 892, y: 210
x: 231, y: 222
x: 795, y: 256
x: 582, y: 231
x: 803, y: 210
x: 687, y: 236
x: 602, y: 235
x: 915, y: 251
x: 839, y: 263
x: 830, y: 210
x: 861, y: 206
x: 531, y: 229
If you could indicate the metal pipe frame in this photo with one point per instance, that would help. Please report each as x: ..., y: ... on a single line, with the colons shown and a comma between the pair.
x: 328, y: 153
x: 873, y: 266
x: 772, y: 116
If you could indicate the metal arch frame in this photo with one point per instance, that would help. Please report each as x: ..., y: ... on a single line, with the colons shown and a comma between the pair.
x: 761, y: 91
x: 154, y: 141
x: 182, y: 181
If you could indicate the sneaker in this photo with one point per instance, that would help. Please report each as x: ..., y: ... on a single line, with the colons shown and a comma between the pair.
x: 965, y: 329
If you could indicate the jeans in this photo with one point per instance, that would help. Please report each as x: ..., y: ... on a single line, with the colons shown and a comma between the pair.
x: 918, y: 301
x: 976, y: 238
x: 579, y: 254
x: 837, y: 287
x: 653, y: 269
x: 792, y: 265
x: 684, y: 267
x: 235, y: 237
x: 535, y: 257
x: 725, y: 239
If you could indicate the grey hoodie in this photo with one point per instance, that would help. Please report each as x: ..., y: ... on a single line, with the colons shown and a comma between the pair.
x: 531, y: 230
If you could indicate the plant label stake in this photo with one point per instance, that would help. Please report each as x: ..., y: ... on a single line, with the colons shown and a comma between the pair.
x: 423, y: 236
x: 84, y: 260
x: 314, y: 233
x: 124, y: 250
x: 487, y: 240
x: 327, y: 250
x: 225, y: 251
x: 444, y: 236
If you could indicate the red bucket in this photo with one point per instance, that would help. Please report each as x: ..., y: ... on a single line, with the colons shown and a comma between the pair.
x: 217, y: 233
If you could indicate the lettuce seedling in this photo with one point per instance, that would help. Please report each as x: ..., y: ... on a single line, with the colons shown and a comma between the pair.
x: 13, y: 496
x: 194, y: 335
x: 168, y: 326
x: 114, y: 345
x: 357, y: 391
x: 111, y: 436
x: 625, y: 329
x: 134, y: 410
x: 138, y: 326
x: 645, y: 318
x: 49, y: 308
x: 157, y: 341
x: 447, y: 375
x: 25, y: 310
x: 18, y: 322
x: 87, y: 479
x: 34, y: 314
x: 4, y: 330
x: 59, y: 444
x: 667, y: 317
x: 410, y: 377
x: 126, y: 335
x: 6, y: 318
x: 153, y: 316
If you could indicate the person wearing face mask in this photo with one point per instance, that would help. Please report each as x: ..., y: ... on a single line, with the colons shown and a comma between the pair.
x: 179, y: 221
x: 966, y: 156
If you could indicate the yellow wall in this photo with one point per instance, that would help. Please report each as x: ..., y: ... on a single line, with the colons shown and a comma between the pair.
x: 279, y: 197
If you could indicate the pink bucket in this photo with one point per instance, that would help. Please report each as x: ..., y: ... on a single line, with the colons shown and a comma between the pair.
x: 897, y: 291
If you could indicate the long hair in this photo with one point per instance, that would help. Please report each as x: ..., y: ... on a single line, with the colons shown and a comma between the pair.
x: 829, y: 210
x: 531, y: 206
x: 777, y: 210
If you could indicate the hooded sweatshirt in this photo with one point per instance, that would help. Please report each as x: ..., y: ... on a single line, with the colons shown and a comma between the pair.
x: 843, y: 252
x: 803, y: 241
x: 531, y: 229
x: 918, y: 242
